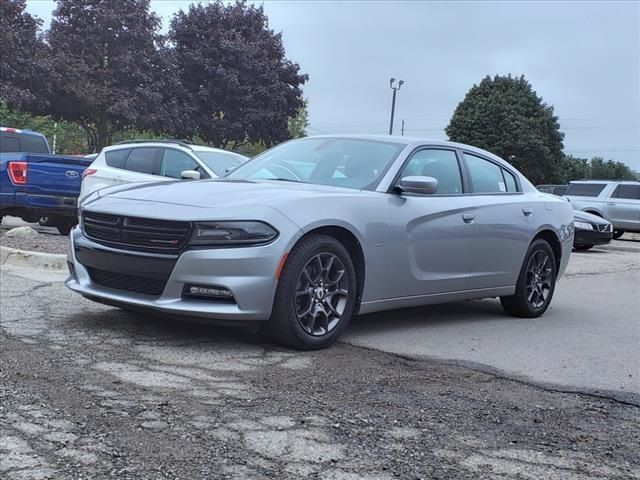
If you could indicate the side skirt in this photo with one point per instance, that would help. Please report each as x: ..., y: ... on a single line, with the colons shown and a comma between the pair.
x: 434, y: 298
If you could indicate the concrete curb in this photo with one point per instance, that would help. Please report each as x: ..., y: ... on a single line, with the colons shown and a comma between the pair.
x: 24, y: 258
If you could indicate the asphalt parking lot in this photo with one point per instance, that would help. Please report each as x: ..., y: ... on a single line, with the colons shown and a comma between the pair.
x: 589, y: 339
x: 89, y: 391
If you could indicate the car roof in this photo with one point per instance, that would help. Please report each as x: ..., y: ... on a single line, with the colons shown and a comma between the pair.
x: 165, y: 143
x: 414, y: 142
x: 633, y: 182
x: 17, y: 130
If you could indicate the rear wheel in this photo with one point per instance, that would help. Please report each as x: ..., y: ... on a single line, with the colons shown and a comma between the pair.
x: 536, y: 283
x: 618, y: 233
x: 316, y: 294
x: 583, y: 247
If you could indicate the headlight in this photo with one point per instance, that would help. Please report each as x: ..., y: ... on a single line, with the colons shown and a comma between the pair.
x: 583, y: 225
x: 232, y: 233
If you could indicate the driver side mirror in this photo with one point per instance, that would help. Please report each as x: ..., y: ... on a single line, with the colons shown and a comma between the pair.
x: 190, y: 175
x: 421, y: 185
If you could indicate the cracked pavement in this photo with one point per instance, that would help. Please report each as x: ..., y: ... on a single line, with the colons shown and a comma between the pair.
x: 89, y: 391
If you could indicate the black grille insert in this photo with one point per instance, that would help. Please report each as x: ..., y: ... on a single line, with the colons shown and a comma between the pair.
x: 128, y: 283
x: 604, y: 227
x: 133, y: 233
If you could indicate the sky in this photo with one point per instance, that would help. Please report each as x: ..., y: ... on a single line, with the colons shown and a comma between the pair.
x: 581, y: 57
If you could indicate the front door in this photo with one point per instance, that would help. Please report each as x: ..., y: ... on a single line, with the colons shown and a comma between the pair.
x: 431, y: 235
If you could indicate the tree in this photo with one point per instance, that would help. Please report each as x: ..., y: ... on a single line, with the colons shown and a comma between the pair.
x: 103, y: 65
x: 69, y: 137
x: 22, y: 56
x: 610, y: 170
x: 297, y: 125
x: 504, y: 115
x: 236, y: 85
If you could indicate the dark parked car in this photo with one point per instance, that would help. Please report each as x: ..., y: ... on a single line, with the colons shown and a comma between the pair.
x: 553, y: 189
x: 590, y: 230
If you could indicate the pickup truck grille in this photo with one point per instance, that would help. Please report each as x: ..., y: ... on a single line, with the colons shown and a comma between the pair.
x: 134, y: 233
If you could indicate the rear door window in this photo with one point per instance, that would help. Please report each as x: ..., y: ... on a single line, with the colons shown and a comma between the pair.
x: 510, y: 181
x: 585, y: 189
x: 627, y: 191
x: 174, y: 162
x: 116, y: 158
x: 142, y: 160
x: 486, y: 176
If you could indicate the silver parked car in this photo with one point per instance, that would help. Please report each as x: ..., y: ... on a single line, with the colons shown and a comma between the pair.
x: 616, y: 201
x: 318, y: 229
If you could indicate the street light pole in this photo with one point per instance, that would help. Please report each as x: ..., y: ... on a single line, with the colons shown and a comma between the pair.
x: 393, y: 101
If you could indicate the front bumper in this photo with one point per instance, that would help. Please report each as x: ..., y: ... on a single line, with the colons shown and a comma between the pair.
x: 248, y: 272
x: 591, y: 237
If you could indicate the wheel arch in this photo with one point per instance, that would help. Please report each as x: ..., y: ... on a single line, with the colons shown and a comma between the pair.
x: 353, y: 246
x: 552, y: 239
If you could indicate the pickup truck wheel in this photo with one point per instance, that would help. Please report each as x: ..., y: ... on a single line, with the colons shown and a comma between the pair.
x: 65, y: 226
x: 618, y: 233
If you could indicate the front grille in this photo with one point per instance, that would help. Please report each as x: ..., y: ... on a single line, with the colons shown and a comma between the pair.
x: 133, y: 233
x: 128, y: 283
x: 604, y: 227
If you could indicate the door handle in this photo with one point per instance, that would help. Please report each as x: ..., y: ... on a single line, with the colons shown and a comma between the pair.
x: 611, y: 203
x: 527, y: 211
x: 468, y: 217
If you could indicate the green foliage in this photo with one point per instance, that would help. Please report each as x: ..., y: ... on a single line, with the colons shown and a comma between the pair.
x: 297, y: 125
x: 504, y: 115
x: 572, y: 168
x: 70, y: 138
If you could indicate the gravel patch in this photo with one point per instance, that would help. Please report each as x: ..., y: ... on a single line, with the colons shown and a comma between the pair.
x: 44, y: 242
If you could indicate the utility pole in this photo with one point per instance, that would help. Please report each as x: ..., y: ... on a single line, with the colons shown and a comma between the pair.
x: 393, y: 101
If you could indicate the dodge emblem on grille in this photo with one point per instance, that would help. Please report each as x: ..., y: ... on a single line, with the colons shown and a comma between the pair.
x: 167, y: 242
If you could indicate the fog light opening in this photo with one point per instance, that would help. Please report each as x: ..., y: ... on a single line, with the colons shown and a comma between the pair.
x: 209, y: 291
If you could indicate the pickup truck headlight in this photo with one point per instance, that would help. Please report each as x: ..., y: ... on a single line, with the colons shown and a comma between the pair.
x: 583, y: 225
x: 232, y: 233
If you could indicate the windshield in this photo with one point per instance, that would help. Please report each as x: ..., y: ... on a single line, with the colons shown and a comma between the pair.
x: 220, y: 162
x: 341, y: 162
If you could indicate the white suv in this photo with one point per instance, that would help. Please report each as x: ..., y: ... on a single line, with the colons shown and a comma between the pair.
x: 156, y: 160
x: 617, y: 201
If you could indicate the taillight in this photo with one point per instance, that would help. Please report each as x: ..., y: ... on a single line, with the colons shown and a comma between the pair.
x: 88, y: 171
x: 18, y: 172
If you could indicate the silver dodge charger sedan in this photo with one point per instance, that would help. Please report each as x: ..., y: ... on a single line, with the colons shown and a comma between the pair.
x: 316, y: 230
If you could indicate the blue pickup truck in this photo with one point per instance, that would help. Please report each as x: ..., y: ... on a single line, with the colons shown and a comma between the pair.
x: 34, y: 183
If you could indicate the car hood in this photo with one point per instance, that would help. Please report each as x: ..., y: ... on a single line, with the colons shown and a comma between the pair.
x: 224, y: 198
x: 588, y: 217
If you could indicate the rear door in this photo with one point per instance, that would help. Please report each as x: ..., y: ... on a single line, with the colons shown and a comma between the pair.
x: 504, y: 220
x: 623, y: 207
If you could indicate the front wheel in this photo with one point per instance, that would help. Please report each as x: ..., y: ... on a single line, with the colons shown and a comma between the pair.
x: 536, y: 283
x: 316, y: 294
x: 618, y: 233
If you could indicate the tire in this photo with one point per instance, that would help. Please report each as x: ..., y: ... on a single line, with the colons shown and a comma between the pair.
x: 64, y: 226
x: 583, y: 247
x: 317, y: 268
x: 524, y: 302
x: 618, y: 233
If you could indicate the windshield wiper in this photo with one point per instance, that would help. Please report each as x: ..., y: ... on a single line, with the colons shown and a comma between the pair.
x: 278, y: 179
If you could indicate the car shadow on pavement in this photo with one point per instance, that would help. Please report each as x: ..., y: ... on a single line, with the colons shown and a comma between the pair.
x: 143, y: 327
x: 470, y: 311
